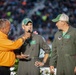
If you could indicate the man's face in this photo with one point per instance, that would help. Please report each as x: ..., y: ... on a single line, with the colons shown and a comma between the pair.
x: 28, y: 27
x: 60, y: 25
x: 7, y: 27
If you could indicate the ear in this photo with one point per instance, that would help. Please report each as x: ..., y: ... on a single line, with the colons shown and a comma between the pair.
x: 23, y: 26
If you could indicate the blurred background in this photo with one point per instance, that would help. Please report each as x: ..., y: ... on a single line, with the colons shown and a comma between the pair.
x: 40, y: 11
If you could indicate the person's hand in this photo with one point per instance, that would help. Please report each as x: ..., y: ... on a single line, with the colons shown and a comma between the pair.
x: 75, y: 70
x: 35, y: 32
x: 22, y: 56
x: 52, y: 69
x: 38, y: 63
x: 26, y: 36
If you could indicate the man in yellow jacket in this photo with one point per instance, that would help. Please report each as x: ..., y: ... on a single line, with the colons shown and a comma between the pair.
x: 7, y: 47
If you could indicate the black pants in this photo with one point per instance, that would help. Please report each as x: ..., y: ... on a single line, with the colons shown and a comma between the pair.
x: 4, y: 70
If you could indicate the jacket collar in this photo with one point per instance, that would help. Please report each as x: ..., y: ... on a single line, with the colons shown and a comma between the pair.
x: 2, y: 35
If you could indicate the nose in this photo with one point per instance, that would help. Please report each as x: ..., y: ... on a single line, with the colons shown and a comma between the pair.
x: 56, y: 24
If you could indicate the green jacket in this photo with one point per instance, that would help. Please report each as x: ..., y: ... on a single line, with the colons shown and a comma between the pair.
x: 32, y: 47
x: 64, y: 52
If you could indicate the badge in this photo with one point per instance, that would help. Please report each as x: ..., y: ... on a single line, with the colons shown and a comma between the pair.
x: 67, y: 36
x: 33, y: 42
x: 60, y: 37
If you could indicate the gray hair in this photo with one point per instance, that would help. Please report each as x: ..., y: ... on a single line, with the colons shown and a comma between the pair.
x: 3, y: 23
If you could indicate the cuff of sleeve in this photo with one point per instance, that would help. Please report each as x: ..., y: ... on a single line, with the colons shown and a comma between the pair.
x: 43, y: 62
x: 23, y: 40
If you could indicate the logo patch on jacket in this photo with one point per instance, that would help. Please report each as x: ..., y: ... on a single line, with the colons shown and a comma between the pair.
x: 33, y: 42
x: 67, y: 36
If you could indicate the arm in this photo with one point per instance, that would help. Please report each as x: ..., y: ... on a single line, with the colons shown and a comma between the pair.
x: 45, y: 58
x: 75, y: 45
x: 46, y: 48
x: 39, y: 63
x: 6, y: 44
x: 53, y: 58
x: 22, y: 56
x: 75, y: 70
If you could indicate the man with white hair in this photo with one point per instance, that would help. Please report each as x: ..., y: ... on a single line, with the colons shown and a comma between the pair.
x: 7, y: 47
x: 64, y: 47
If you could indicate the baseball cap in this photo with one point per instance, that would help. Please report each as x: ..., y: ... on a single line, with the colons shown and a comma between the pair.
x: 61, y: 17
x: 26, y: 20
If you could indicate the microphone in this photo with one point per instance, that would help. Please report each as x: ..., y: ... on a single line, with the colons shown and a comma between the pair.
x: 29, y: 31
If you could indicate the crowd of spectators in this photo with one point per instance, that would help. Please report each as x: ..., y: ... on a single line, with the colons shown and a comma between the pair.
x: 16, y: 10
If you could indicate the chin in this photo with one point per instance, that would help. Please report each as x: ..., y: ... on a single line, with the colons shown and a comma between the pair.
x: 59, y: 28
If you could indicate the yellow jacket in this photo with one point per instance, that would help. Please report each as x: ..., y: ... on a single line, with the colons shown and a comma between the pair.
x: 7, y: 47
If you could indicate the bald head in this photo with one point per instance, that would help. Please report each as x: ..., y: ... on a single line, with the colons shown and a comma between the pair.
x: 4, y: 25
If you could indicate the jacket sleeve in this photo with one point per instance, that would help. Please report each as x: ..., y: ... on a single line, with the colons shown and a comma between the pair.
x: 53, y: 58
x: 7, y: 44
x: 75, y: 43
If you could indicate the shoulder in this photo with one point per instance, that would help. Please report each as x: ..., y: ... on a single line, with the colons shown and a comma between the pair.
x: 73, y: 29
x: 35, y: 35
x: 38, y: 37
x: 57, y: 33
